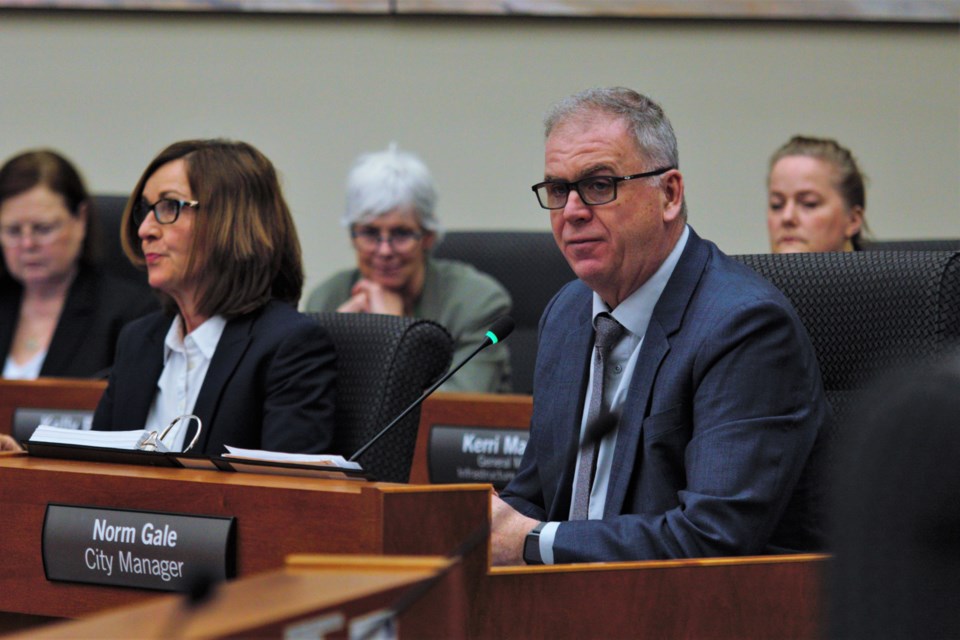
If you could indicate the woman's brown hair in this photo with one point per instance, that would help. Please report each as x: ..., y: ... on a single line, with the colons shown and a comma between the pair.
x: 45, y: 167
x: 245, y: 247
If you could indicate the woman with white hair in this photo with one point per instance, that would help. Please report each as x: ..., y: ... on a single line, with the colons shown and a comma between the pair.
x: 390, y: 216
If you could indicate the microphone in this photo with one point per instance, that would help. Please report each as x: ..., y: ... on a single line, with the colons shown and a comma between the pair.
x: 198, y: 590
x: 599, y: 428
x: 103, y: 374
x: 501, y: 328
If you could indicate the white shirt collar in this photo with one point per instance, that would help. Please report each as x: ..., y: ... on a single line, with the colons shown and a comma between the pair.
x: 635, y: 311
x: 204, y: 338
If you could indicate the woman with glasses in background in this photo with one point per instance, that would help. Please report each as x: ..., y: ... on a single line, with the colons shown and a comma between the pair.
x: 209, y: 222
x: 59, y: 314
x: 393, y: 227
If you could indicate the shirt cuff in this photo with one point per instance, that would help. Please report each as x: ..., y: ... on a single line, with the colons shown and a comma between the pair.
x: 547, y: 534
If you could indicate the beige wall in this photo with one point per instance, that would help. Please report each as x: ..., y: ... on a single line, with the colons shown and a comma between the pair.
x: 467, y: 94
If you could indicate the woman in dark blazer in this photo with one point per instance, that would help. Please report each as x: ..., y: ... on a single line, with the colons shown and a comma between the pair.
x: 210, y: 223
x: 59, y: 314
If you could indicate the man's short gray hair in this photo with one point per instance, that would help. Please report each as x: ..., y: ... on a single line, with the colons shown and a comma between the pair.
x: 652, y: 132
x: 382, y: 181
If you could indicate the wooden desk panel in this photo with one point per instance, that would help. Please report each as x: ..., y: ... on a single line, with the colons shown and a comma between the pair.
x: 776, y: 596
x: 717, y: 598
x: 741, y: 598
x: 276, y: 516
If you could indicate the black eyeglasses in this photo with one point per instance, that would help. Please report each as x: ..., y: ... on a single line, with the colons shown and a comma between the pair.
x: 165, y: 210
x: 399, y: 239
x: 552, y: 194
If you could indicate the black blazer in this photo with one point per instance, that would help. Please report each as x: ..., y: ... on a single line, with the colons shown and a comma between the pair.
x: 271, y: 383
x: 98, y: 306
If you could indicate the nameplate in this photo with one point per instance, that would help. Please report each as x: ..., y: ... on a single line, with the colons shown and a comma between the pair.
x: 475, y: 454
x: 143, y: 549
x: 25, y: 421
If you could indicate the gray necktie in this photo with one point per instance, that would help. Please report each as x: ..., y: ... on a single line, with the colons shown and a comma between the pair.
x: 608, y: 333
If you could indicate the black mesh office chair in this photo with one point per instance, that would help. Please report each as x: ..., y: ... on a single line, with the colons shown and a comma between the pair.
x: 868, y: 311
x: 384, y: 363
x: 531, y: 268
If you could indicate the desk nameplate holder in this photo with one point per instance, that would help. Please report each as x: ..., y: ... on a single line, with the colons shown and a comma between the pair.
x: 141, y: 549
x: 27, y: 419
x: 474, y: 454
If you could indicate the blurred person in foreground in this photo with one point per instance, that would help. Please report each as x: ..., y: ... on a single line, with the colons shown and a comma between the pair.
x: 896, y: 516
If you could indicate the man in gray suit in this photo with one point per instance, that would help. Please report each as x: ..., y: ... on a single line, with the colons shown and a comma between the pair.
x: 678, y: 406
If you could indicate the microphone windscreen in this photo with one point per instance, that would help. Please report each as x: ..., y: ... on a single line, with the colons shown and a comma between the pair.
x: 199, y: 590
x: 502, y: 327
x: 596, y: 431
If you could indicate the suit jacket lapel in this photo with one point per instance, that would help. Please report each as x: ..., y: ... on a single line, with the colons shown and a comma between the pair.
x: 625, y: 456
x: 71, y: 328
x: 137, y: 383
x: 567, y: 409
x: 230, y: 349
x: 9, y: 310
x: 666, y: 320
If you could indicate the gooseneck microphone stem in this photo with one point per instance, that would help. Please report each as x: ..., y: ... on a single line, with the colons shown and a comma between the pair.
x: 416, y: 402
x: 500, y: 330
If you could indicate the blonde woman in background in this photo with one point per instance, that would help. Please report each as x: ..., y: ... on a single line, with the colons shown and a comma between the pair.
x: 816, y: 198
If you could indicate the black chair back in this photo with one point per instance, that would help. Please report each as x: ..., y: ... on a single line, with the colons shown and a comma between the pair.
x: 384, y: 363
x: 868, y: 311
x: 108, y: 211
x: 943, y: 244
x: 531, y: 268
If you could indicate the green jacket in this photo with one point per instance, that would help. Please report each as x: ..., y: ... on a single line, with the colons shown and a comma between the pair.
x: 463, y: 300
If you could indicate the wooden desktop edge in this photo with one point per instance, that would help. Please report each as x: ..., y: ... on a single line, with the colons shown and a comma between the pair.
x: 320, y: 561
x: 661, y: 564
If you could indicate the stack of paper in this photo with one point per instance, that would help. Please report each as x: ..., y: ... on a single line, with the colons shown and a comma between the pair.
x: 319, y: 460
x: 107, y: 439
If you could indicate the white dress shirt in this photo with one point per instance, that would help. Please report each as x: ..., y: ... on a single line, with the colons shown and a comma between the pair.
x: 634, y: 314
x: 29, y: 370
x: 185, y: 363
